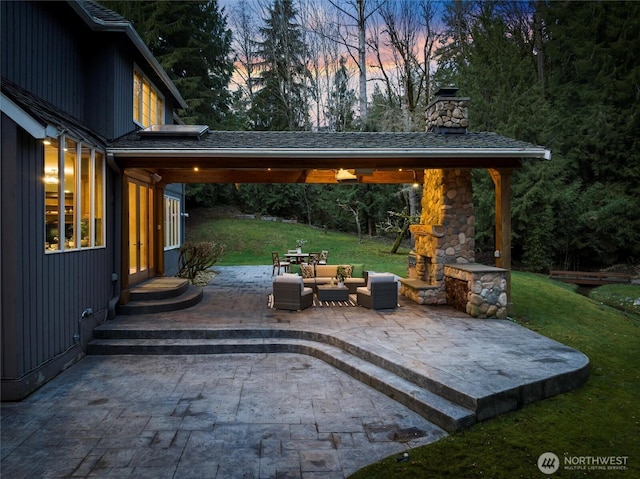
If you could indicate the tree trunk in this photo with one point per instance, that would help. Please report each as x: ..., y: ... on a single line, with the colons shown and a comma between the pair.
x: 362, y: 55
x: 399, y: 236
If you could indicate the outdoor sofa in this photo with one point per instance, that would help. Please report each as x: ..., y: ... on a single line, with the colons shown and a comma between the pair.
x: 313, y: 275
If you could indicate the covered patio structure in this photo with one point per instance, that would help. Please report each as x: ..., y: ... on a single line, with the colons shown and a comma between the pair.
x: 440, y: 158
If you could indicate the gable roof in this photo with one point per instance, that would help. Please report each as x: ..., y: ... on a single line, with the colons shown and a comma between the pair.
x: 100, y: 18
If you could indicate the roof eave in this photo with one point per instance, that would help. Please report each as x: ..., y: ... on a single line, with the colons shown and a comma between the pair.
x: 529, y: 153
x: 34, y: 127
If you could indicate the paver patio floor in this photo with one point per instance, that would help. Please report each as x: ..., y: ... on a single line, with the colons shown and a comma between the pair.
x: 271, y: 415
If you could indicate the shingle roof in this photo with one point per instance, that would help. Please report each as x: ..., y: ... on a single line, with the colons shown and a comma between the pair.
x: 102, y: 13
x: 325, y: 141
x: 47, y: 114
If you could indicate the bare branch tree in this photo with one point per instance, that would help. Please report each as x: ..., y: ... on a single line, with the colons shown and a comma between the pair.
x: 324, y: 54
x: 354, y: 208
x: 358, y: 12
x: 244, y: 45
x: 410, y: 38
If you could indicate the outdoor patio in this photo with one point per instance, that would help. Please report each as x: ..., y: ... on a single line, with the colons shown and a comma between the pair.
x: 452, y: 369
x: 162, y: 405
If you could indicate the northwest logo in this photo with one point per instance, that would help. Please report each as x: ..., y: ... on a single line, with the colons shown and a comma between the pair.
x: 548, y: 463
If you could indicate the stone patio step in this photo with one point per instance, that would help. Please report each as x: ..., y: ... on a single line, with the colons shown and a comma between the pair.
x: 432, y: 384
x: 159, y: 288
x: 159, y: 301
x: 433, y: 407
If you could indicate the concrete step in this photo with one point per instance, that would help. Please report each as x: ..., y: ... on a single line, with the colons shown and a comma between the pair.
x: 109, y: 331
x: 159, y: 288
x: 153, y: 304
x: 435, y: 408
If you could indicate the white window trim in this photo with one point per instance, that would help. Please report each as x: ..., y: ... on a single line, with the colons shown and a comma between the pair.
x: 77, y: 225
x: 177, y: 220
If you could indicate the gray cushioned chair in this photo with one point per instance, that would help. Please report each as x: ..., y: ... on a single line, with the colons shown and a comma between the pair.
x: 381, y: 292
x: 289, y: 293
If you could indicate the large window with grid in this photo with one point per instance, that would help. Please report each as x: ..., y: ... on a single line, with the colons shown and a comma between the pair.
x: 148, y: 104
x: 171, y: 223
x: 74, y: 187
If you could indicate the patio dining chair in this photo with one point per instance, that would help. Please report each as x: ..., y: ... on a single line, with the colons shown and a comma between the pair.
x: 324, y: 257
x: 275, y: 260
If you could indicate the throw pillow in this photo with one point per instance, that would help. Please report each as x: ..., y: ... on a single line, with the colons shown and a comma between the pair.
x: 348, y: 268
x: 307, y: 271
x: 357, y: 270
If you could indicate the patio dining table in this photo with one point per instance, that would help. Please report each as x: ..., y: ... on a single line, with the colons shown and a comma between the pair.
x: 297, y: 258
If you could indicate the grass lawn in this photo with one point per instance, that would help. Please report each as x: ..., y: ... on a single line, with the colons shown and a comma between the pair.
x: 602, y: 418
x: 252, y: 241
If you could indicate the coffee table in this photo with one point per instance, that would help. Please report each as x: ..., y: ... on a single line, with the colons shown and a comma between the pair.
x: 326, y: 292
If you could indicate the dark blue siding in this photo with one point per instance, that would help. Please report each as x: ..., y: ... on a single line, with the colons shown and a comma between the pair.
x: 43, y: 294
x: 41, y: 54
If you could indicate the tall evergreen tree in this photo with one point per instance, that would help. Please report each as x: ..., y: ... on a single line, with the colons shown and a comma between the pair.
x: 341, y: 101
x: 281, y: 103
x: 593, y: 57
x: 564, y: 75
x: 192, y: 43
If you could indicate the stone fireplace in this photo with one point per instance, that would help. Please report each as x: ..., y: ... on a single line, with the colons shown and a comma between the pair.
x: 445, y: 235
x: 441, y: 269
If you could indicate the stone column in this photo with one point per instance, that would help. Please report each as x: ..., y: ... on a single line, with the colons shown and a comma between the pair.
x: 446, y: 233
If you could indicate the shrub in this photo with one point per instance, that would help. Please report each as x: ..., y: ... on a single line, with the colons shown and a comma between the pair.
x: 197, y: 257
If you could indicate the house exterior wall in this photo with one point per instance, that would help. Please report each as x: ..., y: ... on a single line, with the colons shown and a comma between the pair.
x: 37, y: 49
x: 48, y: 50
x: 43, y: 295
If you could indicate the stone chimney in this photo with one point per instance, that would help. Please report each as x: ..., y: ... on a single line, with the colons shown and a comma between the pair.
x: 448, y: 114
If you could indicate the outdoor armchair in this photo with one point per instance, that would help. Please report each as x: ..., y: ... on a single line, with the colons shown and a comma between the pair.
x: 381, y: 292
x: 289, y: 293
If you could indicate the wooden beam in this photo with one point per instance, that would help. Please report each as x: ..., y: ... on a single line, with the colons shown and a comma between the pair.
x: 283, y: 176
x: 502, y: 181
x: 213, y: 162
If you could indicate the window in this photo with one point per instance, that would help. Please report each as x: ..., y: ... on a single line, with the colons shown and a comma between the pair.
x: 148, y: 105
x: 172, y: 223
x: 74, y: 185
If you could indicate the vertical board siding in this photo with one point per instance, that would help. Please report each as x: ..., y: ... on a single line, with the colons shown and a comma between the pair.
x: 40, y: 44
x: 11, y: 275
x: 122, y: 72
x: 52, y: 289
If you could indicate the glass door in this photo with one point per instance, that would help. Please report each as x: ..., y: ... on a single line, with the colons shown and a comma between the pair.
x: 141, y: 247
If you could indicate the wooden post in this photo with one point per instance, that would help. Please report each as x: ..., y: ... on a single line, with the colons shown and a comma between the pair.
x: 502, y: 182
x: 158, y: 228
x: 124, y: 239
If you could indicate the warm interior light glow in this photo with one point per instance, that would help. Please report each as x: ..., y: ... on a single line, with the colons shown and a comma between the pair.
x: 195, y: 168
